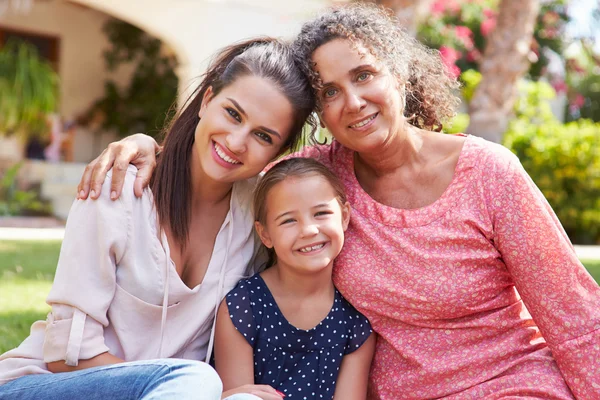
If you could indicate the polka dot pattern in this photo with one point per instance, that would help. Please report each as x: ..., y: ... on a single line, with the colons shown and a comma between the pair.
x: 303, y: 364
x: 477, y: 296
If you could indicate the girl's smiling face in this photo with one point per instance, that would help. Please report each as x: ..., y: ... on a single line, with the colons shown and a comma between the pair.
x: 360, y: 99
x: 241, y: 129
x: 304, y: 223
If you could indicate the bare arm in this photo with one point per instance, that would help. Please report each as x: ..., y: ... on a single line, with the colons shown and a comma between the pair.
x: 139, y: 150
x: 99, y: 360
x: 354, y: 372
x: 234, y: 360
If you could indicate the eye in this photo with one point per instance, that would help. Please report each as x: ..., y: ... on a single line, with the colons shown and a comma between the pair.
x: 322, y: 213
x: 287, y: 221
x: 363, y: 76
x: 329, y: 93
x: 264, y: 137
x: 234, y: 114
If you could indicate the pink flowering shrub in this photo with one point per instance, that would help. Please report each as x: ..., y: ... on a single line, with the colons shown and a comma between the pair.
x: 464, y: 25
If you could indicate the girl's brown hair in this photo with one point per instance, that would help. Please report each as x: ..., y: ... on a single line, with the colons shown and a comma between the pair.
x: 290, y: 168
x: 267, y: 58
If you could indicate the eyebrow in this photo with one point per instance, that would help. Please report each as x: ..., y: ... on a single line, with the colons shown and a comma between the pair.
x: 282, y: 215
x: 352, y: 72
x: 320, y: 205
x: 264, y: 128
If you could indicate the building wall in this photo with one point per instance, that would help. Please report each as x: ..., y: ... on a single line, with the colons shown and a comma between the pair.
x: 81, y: 66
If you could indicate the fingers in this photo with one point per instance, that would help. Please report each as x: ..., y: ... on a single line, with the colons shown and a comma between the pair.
x: 142, y: 178
x: 266, y: 392
x: 98, y: 174
x: 83, y: 188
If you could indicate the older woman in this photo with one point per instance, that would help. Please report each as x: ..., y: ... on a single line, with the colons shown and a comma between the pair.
x: 452, y: 253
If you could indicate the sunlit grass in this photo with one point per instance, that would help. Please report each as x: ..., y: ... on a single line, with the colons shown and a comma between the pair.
x: 26, y: 272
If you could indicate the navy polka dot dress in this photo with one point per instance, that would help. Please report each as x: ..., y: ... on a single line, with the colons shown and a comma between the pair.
x: 303, y: 364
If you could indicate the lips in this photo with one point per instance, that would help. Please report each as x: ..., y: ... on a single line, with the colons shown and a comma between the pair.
x: 311, y: 248
x: 225, y: 154
x: 363, y: 122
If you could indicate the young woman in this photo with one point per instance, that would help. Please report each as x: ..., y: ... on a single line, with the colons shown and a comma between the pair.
x: 142, y: 278
x: 288, y: 327
x: 453, y: 254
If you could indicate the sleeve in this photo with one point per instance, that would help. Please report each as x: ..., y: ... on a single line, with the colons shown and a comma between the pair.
x: 562, y: 297
x: 240, y: 307
x: 85, y: 281
x: 359, y: 332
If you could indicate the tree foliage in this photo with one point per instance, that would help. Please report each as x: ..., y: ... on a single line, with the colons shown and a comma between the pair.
x: 145, y: 105
x: 28, y: 90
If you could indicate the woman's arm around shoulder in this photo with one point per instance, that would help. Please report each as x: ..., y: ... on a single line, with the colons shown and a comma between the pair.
x: 354, y: 372
x: 139, y: 150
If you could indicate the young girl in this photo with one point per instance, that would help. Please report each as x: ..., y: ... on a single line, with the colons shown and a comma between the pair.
x: 139, y: 279
x: 288, y: 327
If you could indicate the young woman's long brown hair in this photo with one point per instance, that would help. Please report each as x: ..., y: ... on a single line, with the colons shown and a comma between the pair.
x: 266, y: 58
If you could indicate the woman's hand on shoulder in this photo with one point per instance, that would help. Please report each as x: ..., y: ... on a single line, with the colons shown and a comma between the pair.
x: 265, y: 392
x: 139, y: 150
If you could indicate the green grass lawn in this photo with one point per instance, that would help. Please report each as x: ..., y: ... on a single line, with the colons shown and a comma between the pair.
x: 27, y: 270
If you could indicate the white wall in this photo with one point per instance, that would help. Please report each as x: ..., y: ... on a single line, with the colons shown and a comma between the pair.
x: 81, y: 66
x: 195, y: 29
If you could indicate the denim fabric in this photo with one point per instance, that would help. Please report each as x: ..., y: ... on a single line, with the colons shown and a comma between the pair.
x: 139, y: 380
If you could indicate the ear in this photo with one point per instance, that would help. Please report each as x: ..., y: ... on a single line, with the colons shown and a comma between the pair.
x: 346, y: 211
x: 263, y: 234
x: 206, y: 98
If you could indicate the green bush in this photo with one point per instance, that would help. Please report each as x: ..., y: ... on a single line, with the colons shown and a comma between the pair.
x: 562, y: 159
x: 564, y: 162
x: 20, y: 202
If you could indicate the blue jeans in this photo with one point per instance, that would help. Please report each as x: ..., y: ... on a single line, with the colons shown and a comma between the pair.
x: 139, y: 380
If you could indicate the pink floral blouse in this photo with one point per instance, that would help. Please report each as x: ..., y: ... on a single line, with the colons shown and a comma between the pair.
x: 477, y: 296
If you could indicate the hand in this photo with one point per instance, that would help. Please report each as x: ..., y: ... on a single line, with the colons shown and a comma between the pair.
x: 139, y: 150
x: 265, y: 392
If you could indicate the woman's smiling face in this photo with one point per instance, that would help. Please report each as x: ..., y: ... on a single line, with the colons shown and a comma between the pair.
x: 242, y: 129
x: 360, y: 99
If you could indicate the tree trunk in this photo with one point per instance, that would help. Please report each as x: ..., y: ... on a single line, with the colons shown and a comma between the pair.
x: 409, y: 12
x: 505, y: 61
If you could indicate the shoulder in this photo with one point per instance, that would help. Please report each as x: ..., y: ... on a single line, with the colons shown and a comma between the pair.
x: 351, y: 314
x: 493, y: 155
x: 127, y: 191
x: 245, y: 289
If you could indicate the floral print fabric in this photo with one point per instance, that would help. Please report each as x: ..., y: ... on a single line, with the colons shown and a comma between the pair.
x: 477, y: 296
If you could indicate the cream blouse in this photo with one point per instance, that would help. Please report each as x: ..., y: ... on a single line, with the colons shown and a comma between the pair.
x: 116, y: 288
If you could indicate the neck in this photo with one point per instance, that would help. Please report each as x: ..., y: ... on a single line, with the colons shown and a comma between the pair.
x: 403, y: 150
x: 205, y: 190
x: 303, y: 285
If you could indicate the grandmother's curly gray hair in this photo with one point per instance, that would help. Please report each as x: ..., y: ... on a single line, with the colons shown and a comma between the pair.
x: 430, y: 89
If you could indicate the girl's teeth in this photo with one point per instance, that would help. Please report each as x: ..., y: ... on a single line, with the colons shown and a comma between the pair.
x: 311, y: 248
x: 224, y: 156
x: 363, y: 123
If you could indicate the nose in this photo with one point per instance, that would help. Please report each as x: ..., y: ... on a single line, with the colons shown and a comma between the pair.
x: 236, y: 141
x: 354, y: 102
x: 309, y: 229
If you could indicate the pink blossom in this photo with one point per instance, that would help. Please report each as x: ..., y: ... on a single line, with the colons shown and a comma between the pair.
x: 578, y: 101
x: 465, y: 35
x: 473, y: 55
x: 559, y: 86
x: 449, y: 58
x: 438, y: 7
x: 487, y: 26
x: 489, y: 13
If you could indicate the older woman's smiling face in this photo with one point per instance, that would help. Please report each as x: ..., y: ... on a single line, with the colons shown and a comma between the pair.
x: 361, y: 101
